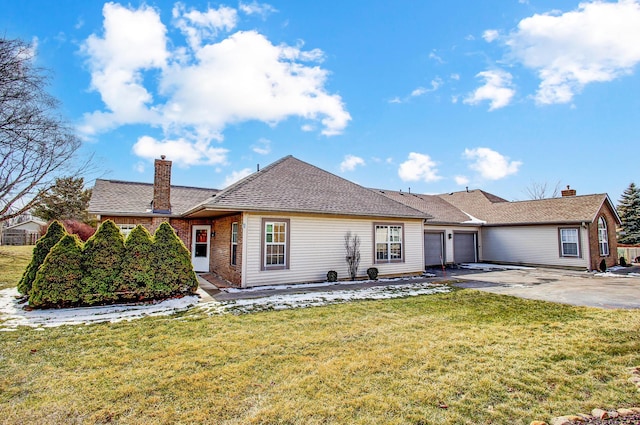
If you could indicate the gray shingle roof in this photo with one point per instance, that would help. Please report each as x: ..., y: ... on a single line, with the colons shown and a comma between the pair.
x: 440, y: 210
x: 115, y: 197
x: 497, y: 211
x: 291, y: 185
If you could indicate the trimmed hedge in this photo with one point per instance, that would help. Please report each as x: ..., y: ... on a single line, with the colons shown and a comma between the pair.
x: 107, y: 270
x: 55, y: 232
x: 58, y: 281
x: 101, y: 262
x: 137, y: 271
x: 173, y: 272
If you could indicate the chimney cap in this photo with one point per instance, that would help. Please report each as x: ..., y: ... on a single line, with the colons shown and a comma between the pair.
x: 163, y: 156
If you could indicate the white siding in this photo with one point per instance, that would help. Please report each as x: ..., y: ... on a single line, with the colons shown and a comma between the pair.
x: 317, y: 246
x: 530, y: 245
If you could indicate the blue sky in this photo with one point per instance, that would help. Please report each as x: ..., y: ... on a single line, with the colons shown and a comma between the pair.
x: 431, y: 96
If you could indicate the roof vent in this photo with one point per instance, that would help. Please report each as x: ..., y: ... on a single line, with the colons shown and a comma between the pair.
x: 568, y: 192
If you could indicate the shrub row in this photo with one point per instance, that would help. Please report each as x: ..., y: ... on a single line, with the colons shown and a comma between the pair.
x: 106, y: 269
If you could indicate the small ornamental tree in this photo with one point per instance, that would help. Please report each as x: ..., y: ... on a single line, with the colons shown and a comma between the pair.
x: 352, y: 248
x: 58, y: 280
x: 101, y: 264
x: 55, y: 232
x: 172, y: 263
x: 136, y: 274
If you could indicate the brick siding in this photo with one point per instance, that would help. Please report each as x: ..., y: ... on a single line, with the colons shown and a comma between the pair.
x: 594, y: 248
x: 220, y: 259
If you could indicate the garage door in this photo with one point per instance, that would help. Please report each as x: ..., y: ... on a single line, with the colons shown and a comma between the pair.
x: 464, y: 247
x: 433, y: 249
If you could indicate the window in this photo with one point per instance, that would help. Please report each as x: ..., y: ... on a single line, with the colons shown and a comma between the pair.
x: 569, y: 242
x: 234, y: 243
x: 603, y: 237
x: 388, y: 243
x: 125, y: 229
x: 275, y: 244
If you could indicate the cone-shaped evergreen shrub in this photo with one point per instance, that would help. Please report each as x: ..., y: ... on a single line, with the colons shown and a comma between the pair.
x: 40, y: 251
x: 101, y: 264
x: 173, y: 269
x: 137, y: 271
x: 57, y: 283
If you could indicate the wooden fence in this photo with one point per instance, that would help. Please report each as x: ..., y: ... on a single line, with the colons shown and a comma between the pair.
x: 629, y: 252
x: 19, y: 237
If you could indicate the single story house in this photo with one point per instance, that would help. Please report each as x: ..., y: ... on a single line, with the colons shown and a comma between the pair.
x: 285, y: 223
x: 473, y: 225
x: 24, y: 233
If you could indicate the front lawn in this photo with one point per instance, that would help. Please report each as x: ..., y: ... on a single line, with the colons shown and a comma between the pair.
x: 461, y: 358
x: 13, y: 261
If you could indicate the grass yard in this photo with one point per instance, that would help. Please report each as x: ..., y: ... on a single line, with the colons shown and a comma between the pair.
x: 13, y: 261
x: 488, y: 359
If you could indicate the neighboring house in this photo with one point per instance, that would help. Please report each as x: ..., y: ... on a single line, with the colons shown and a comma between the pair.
x: 570, y: 231
x: 283, y: 224
x: 450, y: 236
x: 24, y: 233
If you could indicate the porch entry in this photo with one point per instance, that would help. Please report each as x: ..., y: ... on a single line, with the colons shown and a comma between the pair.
x: 200, y: 247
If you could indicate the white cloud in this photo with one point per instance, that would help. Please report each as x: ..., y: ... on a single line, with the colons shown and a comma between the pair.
x: 139, y: 167
x: 181, y: 151
x: 435, y: 57
x: 262, y: 147
x: 455, y: 77
x: 198, y: 26
x: 490, y: 35
x: 419, y: 91
x: 597, y: 42
x: 350, y: 163
x: 461, y: 180
x: 490, y: 164
x: 419, y: 167
x: 236, y: 175
x: 193, y: 92
x: 497, y: 89
x: 133, y: 41
x: 255, y: 8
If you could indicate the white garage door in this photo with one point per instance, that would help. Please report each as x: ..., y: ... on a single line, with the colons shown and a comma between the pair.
x: 464, y: 247
x: 434, y: 249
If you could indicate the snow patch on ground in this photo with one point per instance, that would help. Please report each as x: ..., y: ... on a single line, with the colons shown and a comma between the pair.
x: 315, y: 299
x: 13, y: 315
x: 487, y: 267
x: 319, y: 284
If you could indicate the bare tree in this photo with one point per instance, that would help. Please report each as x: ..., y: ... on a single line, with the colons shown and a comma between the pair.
x: 36, y: 144
x: 352, y: 247
x: 537, y: 190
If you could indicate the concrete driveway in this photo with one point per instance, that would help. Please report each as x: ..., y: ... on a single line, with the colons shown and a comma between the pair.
x: 563, y: 286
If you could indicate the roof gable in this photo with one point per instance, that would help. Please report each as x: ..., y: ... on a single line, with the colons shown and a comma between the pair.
x: 568, y: 209
x: 440, y: 210
x: 291, y: 185
x: 115, y: 197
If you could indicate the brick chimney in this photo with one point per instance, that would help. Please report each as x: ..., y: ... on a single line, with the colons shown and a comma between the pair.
x: 568, y: 192
x: 162, y: 186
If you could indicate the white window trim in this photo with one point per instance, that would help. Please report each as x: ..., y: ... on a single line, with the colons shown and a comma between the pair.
x: 388, y: 242
x: 603, y: 237
x: 234, y: 242
x: 125, y: 229
x: 264, y: 243
x: 562, y: 242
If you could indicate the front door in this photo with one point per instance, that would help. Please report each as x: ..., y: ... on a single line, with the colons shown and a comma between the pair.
x: 200, y: 248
